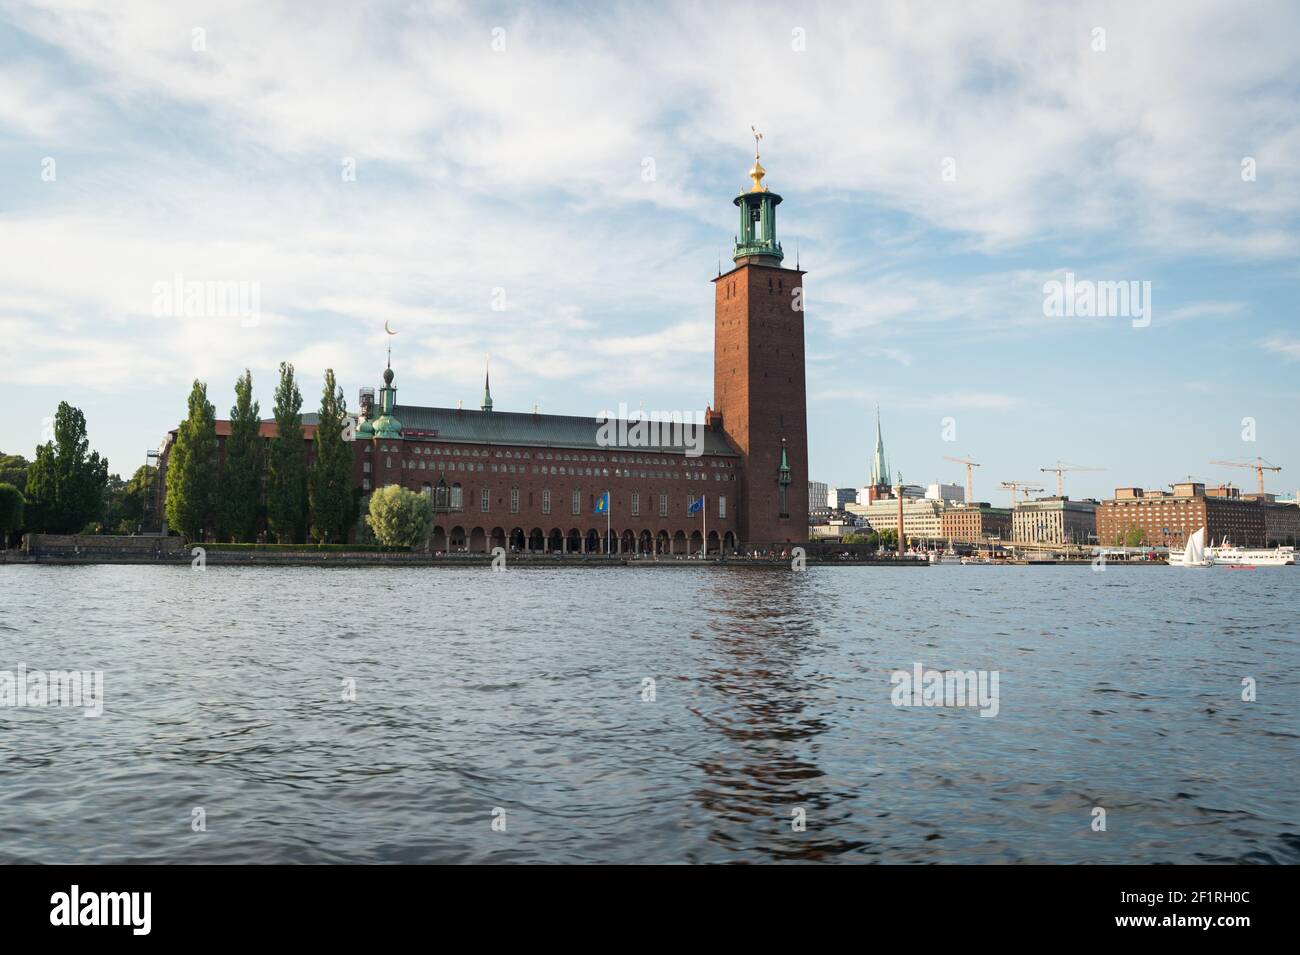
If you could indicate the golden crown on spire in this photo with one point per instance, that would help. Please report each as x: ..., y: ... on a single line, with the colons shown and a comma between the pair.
x: 758, y: 172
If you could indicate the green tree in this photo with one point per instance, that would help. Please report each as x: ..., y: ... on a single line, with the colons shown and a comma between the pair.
x: 13, y: 470
x: 286, y: 493
x: 65, y: 484
x: 11, y: 512
x: 331, y: 477
x: 1135, y: 537
x: 400, y: 518
x: 125, y: 501
x: 192, y: 468
x: 882, y: 539
x: 241, y: 485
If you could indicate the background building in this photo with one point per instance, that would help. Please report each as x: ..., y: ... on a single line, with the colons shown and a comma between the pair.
x: 1282, y: 523
x: 948, y: 493
x: 845, y: 496
x: 975, y: 523
x: 1054, y: 520
x: 1164, y: 518
x: 818, y: 495
x: 921, y: 518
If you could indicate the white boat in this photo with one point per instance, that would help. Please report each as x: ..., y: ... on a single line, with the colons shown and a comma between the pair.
x: 1193, y: 554
x: 1229, y: 556
x: 949, y: 556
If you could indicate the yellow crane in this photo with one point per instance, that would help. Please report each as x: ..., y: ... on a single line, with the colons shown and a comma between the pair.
x: 1060, y: 468
x: 1259, y: 465
x: 970, y: 496
x: 1024, y: 486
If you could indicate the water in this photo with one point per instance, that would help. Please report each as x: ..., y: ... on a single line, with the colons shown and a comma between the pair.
x: 522, y: 690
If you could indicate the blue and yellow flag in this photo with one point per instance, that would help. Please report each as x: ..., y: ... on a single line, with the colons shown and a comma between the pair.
x: 696, y: 506
x: 602, y: 503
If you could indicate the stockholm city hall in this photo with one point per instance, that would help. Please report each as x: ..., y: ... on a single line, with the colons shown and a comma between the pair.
x: 530, y: 482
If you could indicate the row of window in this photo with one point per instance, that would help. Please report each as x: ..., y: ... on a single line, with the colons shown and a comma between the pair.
x: 451, y: 497
x: 557, y: 470
x: 555, y: 456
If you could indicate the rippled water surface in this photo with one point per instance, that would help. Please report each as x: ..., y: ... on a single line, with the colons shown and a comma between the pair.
x: 523, y: 690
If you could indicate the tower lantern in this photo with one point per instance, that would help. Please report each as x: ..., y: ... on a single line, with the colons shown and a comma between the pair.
x: 756, y: 241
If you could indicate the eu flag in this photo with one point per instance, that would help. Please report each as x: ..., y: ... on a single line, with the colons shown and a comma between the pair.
x: 602, y: 503
x: 696, y: 507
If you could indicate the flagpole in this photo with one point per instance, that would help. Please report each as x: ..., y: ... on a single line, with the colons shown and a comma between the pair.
x: 608, y: 505
x: 704, y: 518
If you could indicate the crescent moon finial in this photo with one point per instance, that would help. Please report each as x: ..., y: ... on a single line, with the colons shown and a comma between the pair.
x: 387, y: 329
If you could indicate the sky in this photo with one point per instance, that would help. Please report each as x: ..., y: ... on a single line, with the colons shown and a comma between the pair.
x: 551, y: 184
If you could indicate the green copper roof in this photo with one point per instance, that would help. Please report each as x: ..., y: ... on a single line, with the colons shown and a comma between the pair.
x: 529, y: 430
x: 387, y: 426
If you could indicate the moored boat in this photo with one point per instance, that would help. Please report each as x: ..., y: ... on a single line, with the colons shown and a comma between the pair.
x: 1228, y: 556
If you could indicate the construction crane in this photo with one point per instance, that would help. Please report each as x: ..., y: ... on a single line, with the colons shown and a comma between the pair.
x: 1259, y: 465
x: 1060, y: 468
x: 1025, y: 486
x: 970, y: 495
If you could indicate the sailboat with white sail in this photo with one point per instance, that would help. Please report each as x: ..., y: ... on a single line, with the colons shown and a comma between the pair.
x: 1193, y: 554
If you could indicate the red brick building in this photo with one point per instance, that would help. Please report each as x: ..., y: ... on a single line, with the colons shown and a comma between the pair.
x: 532, y: 482
x: 975, y: 523
x: 1168, y: 519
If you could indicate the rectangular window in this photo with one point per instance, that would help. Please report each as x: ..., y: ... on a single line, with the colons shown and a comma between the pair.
x: 577, y: 502
x: 663, y: 505
x: 485, y: 500
x: 636, y: 503
x: 514, y: 500
x: 690, y: 502
x: 365, y: 467
x: 722, y: 506
x: 546, y: 500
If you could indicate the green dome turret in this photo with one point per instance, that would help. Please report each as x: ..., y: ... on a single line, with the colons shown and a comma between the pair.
x: 387, y: 425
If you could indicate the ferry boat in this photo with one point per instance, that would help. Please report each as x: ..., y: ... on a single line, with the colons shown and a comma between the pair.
x: 1228, y: 556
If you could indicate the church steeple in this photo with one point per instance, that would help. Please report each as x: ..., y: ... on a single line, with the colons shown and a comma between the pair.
x: 756, y: 242
x: 487, y: 386
x: 879, y: 467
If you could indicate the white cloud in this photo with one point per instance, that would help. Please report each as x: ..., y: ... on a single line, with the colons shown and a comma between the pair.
x: 1288, y: 348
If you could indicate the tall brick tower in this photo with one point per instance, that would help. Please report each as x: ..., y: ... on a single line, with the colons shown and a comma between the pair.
x: 758, y: 374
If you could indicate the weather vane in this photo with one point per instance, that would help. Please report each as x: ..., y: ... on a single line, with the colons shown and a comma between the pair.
x: 391, y: 333
x: 757, y: 136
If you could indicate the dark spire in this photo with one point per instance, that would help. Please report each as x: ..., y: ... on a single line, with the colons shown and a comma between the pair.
x: 487, y: 385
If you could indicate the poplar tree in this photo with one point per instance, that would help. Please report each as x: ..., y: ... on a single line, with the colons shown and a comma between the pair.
x: 65, y: 484
x: 286, y: 492
x: 241, y: 486
x: 331, y: 477
x: 192, y: 468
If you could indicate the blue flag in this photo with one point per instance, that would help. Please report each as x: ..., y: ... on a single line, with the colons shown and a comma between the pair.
x: 696, y: 507
x: 602, y: 503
